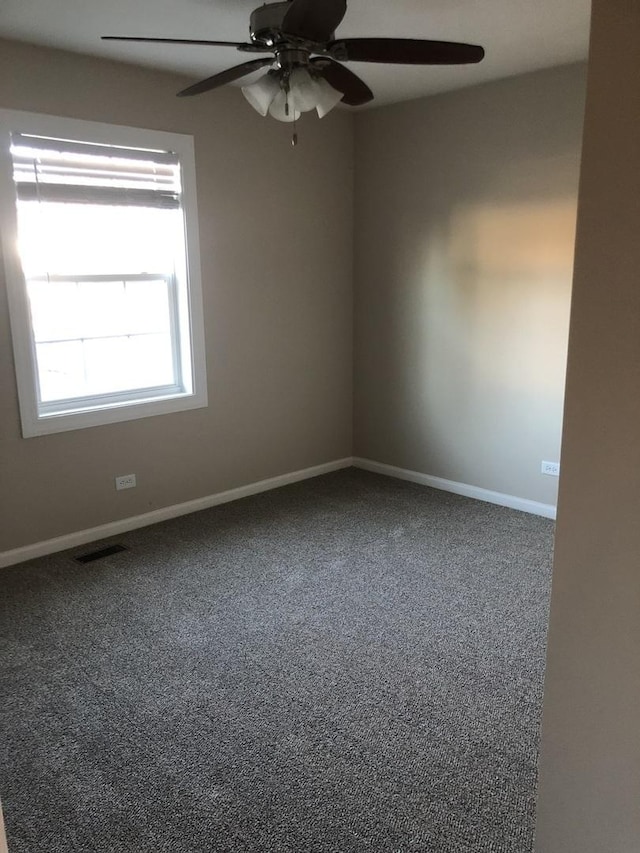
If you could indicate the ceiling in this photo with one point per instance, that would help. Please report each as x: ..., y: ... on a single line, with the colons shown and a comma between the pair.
x: 518, y: 35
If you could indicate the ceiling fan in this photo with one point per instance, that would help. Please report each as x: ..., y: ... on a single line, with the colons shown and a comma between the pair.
x: 305, y: 65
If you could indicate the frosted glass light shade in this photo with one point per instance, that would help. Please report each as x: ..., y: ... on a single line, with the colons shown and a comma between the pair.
x: 327, y: 97
x: 278, y: 108
x: 305, y: 93
x: 261, y: 94
x: 303, y: 90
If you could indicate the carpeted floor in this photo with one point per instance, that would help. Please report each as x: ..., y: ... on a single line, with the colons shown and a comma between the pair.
x: 344, y: 665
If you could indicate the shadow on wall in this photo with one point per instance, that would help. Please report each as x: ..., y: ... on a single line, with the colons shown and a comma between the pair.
x: 463, y: 306
x: 491, y: 328
x: 478, y: 341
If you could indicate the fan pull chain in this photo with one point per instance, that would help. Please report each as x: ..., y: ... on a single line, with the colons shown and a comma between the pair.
x: 294, y: 138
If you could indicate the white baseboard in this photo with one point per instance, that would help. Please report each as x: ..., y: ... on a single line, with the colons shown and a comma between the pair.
x: 115, y: 528
x: 467, y: 491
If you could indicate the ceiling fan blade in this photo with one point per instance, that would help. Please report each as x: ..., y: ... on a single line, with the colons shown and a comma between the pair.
x: 356, y: 92
x: 405, y: 51
x: 223, y: 77
x: 315, y: 20
x: 237, y: 44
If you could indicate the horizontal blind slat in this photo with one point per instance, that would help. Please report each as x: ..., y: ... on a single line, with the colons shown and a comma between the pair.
x: 67, y: 146
x: 114, y: 196
x: 26, y: 168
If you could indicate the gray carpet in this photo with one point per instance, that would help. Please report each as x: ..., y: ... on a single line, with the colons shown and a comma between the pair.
x: 344, y: 665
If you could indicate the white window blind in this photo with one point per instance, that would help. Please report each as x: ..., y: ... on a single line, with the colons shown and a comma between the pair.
x: 57, y: 170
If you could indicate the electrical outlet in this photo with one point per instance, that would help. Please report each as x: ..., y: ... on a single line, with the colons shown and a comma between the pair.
x: 128, y: 481
x: 551, y: 469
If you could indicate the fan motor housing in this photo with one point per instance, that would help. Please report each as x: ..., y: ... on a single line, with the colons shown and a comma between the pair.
x: 265, y: 24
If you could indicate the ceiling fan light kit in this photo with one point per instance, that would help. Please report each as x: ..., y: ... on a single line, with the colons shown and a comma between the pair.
x: 305, y: 69
x: 287, y: 100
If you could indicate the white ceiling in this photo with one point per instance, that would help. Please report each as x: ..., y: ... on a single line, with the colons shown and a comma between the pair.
x: 518, y: 35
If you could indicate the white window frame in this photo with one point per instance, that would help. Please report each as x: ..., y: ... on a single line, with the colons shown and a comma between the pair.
x: 144, y: 404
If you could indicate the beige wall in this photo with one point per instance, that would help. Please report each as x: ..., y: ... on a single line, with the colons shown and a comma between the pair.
x: 276, y: 241
x: 465, y: 229
x: 3, y: 837
x: 589, y: 798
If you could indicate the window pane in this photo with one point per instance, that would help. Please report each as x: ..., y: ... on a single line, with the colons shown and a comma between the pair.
x: 101, y: 309
x: 107, y: 366
x: 147, y: 306
x: 67, y: 239
x: 151, y: 360
x: 127, y: 363
x: 54, y: 310
x: 100, y: 316
x: 60, y: 370
x: 64, y: 310
x: 123, y: 330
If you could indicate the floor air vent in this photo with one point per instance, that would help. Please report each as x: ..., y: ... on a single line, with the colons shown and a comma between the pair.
x: 90, y: 556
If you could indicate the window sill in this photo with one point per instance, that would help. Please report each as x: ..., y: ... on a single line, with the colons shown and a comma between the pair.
x: 39, y: 425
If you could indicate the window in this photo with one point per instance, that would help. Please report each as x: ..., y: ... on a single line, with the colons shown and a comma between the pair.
x: 99, y: 229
